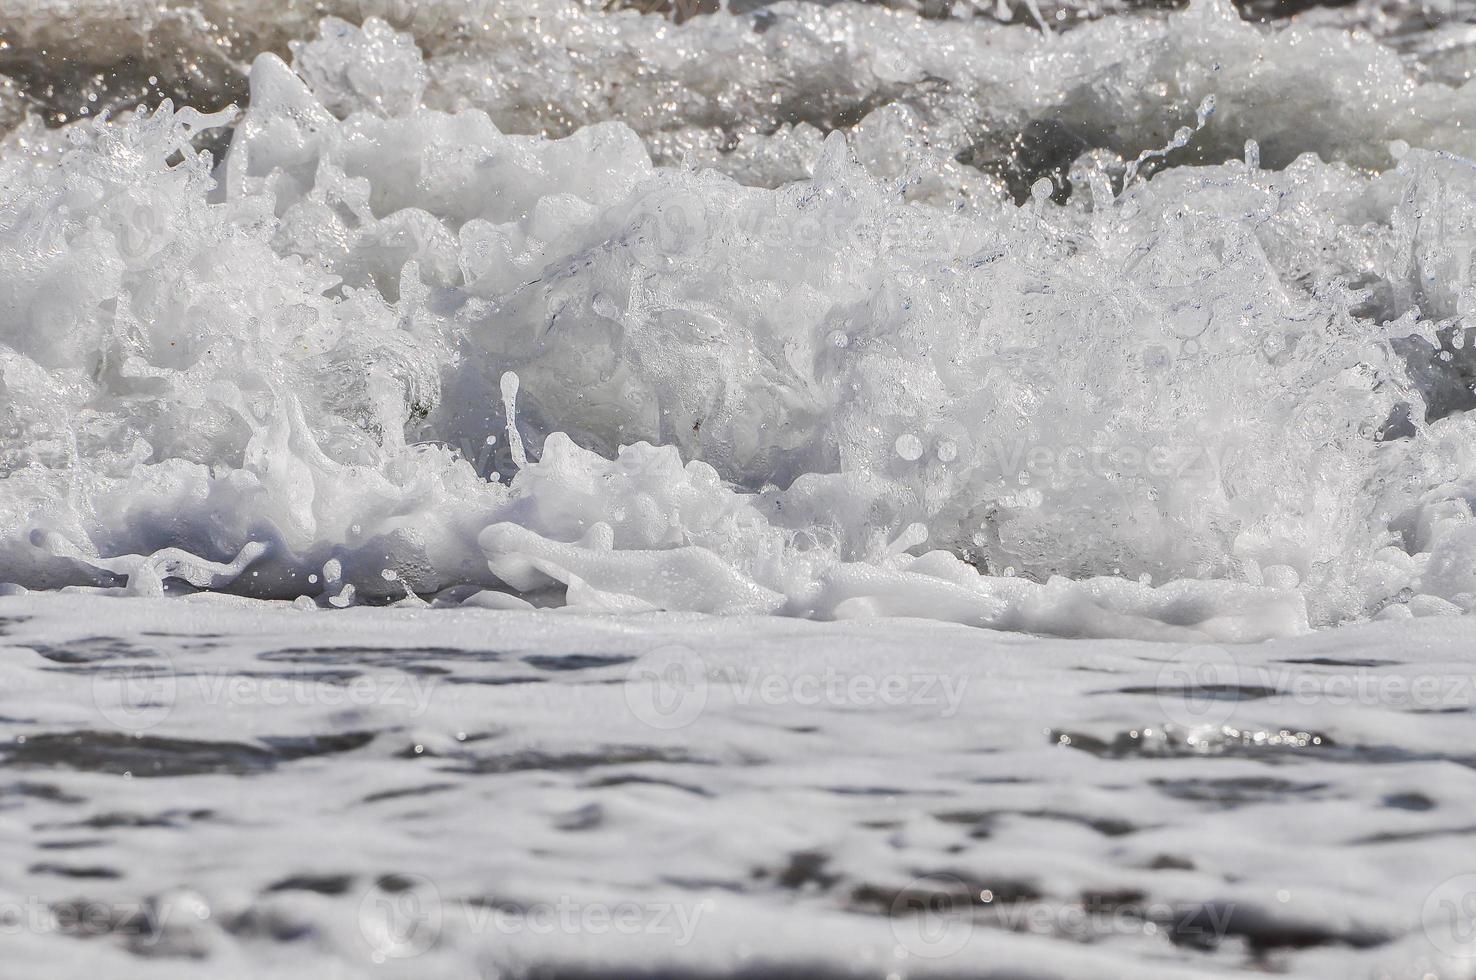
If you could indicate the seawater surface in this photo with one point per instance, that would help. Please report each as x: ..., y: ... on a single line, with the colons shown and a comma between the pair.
x: 243, y: 787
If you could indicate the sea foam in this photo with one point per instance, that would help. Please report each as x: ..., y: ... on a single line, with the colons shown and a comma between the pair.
x: 1226, y: 401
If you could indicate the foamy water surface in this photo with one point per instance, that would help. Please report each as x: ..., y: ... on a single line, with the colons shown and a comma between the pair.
x: 640, y: 356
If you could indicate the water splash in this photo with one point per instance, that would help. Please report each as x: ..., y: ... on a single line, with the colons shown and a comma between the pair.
x: 1198, y: 407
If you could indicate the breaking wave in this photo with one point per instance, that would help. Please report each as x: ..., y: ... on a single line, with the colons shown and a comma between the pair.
x: 1157, y: 326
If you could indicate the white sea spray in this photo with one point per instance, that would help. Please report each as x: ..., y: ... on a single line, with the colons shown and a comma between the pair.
x: 737, y: 396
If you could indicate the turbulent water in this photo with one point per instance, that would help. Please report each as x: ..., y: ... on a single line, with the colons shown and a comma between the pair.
x: 608, y: 341
x: 1102, y: 321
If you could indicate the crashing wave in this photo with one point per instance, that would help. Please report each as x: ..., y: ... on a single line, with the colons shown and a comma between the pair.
x: 1228, y: 401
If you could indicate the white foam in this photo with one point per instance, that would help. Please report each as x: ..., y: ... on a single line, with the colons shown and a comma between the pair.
x: 304, y: 349
x: 781, y: 785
